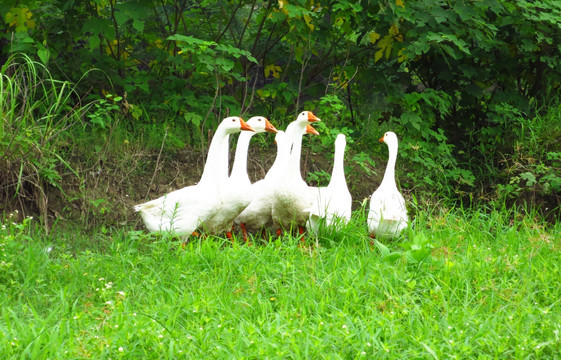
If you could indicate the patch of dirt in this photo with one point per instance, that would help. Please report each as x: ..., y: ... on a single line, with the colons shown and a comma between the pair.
x: 106, y: 192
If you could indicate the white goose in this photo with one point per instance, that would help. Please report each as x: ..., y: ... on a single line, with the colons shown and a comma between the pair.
x: 388, y: 216
x: 237, y: 194
x: 257, y: 215
x: 333, y: 203
x: 183, y: 210
x: 292, y: 196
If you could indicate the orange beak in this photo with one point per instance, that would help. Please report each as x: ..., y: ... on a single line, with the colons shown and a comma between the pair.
x: 311, y: 130
x: 244, y: 126
x: 269, y: 127
x: 381, y: 139
x: 312, y: 117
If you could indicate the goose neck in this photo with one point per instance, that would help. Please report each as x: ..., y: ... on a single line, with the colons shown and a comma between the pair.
x: 239, y: 168
x: 216, y: 166
x: 389, y: 175
x: 338, y: 173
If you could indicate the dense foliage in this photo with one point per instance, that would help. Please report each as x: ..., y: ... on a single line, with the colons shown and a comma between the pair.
x: 471, y: 87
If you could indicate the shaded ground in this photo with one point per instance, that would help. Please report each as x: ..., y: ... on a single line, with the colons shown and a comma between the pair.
x: 107, y: 190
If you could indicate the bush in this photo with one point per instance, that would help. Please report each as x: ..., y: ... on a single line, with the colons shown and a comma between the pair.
x: 37, y: 114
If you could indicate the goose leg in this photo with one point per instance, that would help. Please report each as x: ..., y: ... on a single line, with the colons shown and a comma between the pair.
x: 372, y: 238
x: 229, y: 236
x: 244, y: 232
x: 301, y: 231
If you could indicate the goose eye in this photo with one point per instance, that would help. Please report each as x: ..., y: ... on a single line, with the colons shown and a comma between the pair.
x: 233, y: 120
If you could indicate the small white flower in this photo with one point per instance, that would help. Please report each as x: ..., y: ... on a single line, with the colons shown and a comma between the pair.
x: 344, y: 326
x: 75, y: 317
x: 219, y: 325
x: 116, y: 326
x: 108, y: 302
x: 299, y: 330
x: 368, y: 344
x: 449, y: 328
x: 121, y: 349
x: 133, y: 314
x: 100, y: 279
x: 160, y: 336
x: 122, y: 293
x: 363, y: 353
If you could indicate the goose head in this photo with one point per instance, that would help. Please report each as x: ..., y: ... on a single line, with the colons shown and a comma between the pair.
x: 261, y: 124
x: 307, y: 116
x: 341, y: 140
x: 389, y: 138
x: 234, y: 124
x: 311, y: 130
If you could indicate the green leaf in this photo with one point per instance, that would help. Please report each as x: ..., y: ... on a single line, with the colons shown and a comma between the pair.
x: 43, y: 53
x: 138, y: 25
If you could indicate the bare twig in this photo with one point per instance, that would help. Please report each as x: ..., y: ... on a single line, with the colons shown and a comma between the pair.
x: 157, y: 164
x: 304, y: 63
x: 244, y: 109
x: 216, y: 92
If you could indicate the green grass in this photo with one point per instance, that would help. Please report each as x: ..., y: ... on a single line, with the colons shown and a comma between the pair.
x: 463, y: 285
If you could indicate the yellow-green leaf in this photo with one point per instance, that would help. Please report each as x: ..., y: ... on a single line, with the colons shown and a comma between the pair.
x: 373, y: 37
x: 400, y: 3
x: 308, y: 20
x: 20, y: 18
x: 378, y: 55
x: 273, y: 70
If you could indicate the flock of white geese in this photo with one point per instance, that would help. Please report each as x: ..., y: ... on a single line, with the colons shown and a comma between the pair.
x: 281, y: 200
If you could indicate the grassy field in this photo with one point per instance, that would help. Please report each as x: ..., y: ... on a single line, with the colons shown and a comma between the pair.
x: 483, y: 284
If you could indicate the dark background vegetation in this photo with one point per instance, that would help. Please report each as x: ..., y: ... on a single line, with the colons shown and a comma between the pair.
x: 105, y: 103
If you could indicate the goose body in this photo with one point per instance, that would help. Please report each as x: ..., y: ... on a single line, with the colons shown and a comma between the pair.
x: 332, y: 203
x: 258, y: 214
x: 183, y: 210
x: 236, y: 195
x: 292, y: 196
x: 387, y: 216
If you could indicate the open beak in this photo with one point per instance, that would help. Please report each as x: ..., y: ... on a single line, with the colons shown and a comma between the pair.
x: 312, y: 117
x: 381, y: 139
x: 244, y: 126
x: 311, y: 130
x: 269, y: 127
